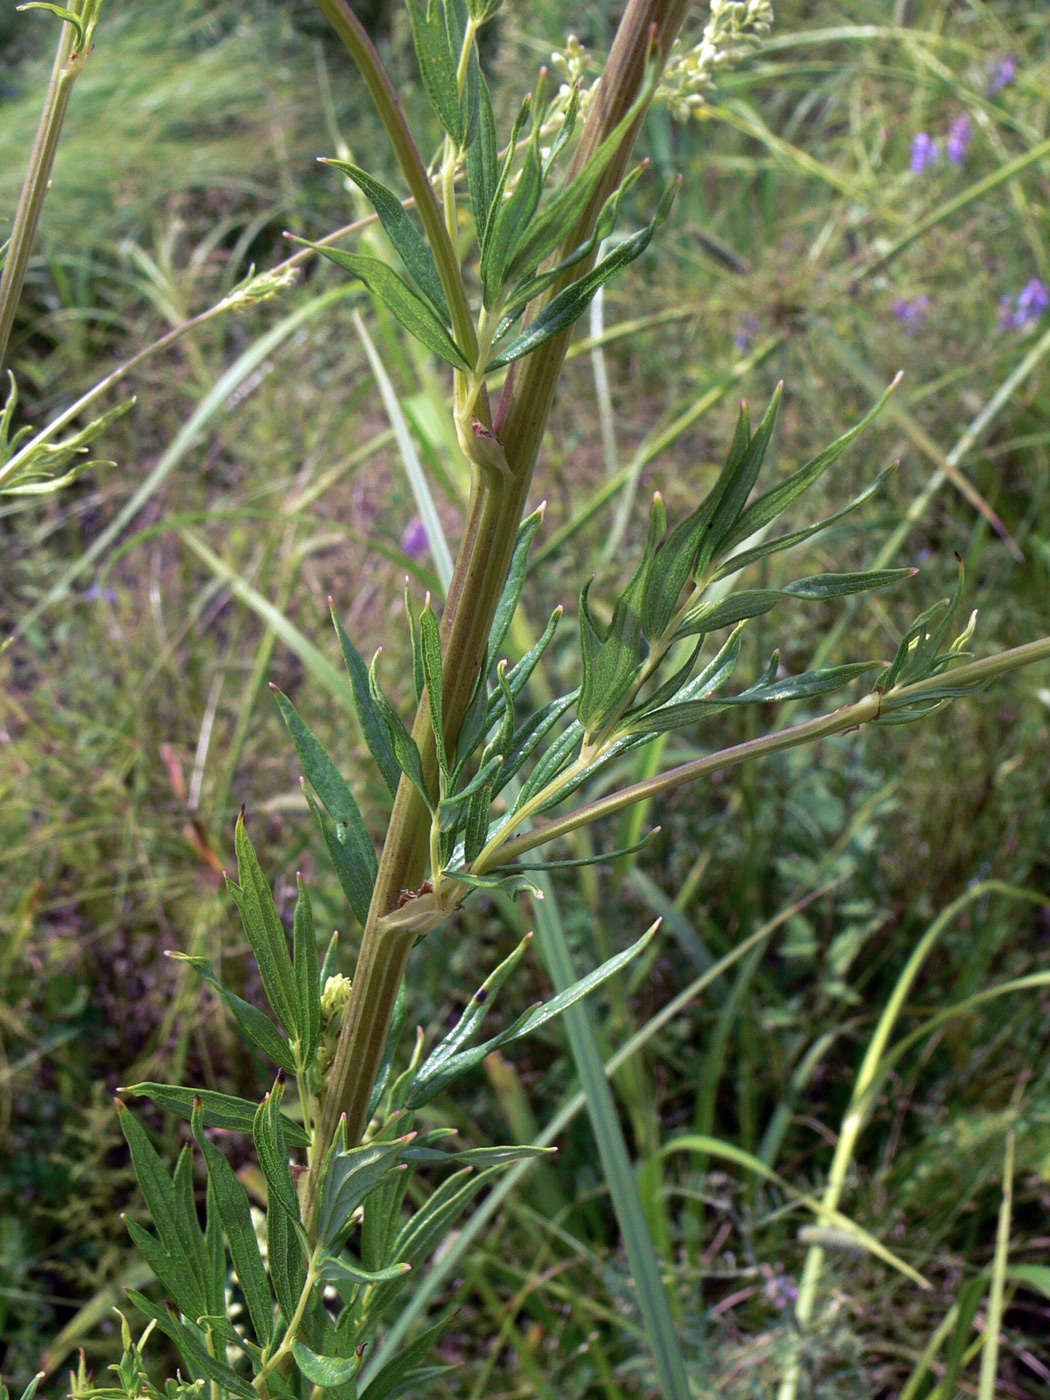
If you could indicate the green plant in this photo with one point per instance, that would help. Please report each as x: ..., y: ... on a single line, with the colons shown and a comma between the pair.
x: 641, y: 675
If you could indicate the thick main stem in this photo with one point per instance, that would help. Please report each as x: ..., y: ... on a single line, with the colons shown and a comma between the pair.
x: 497, y: 505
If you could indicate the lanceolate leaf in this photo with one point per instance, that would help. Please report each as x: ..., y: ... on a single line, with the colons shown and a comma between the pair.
x: 483, y: 161
x: 403, y: 234
x: 769, y: 506
x: 192, y: 1349
x: 400, y: 1374
x: 273, y: 1154
x: 180, y: 1237
x: 335, y: 793
x: 266, y: 934
x: 404, y: 746
x: 569, y: 305
x: 416, y: 315
x: 220, y: 1110
x: 358, y: 889
x: 512, y: 589
x: 348, y: 1178
x: 307, y: 975
x: 438, y: 60
x: 369, y: 718
x: 255, y: 1024
x: 430, y: 647
x: 231, y: 1200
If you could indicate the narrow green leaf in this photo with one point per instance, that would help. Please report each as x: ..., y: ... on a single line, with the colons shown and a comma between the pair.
x: 338, y: 1269
x: 841, y: 585
x: 569, y: 305
x: 273, y: 1153
x: 61, y: 11
x: 368, y: 716
x: 180, y: 1236
x: 483, y: 162
x: 215, y: 1253
x: 177, y: 1281
x: 410, y: 244
x: 220, y: 1110
x: 533, y: 732
x: 335, y: 793
x: 307, y: 975
x: 419, y: 675
x: 437, y: 63
x: 347, y: 1179
x: 430, y: 647
x: 512, y: 218
x: 512, y: 589
x: 325, y: 1371
x: 231, y: 1200
x: 776, y: 500
x: 393, y: 1040
x: 284, y: 1252
x: 262, y: 924
x: 404, y: 746
x: 256, y: 1026
x: 416, y: 315
x: 381, y: 1219
x: 192, y: 1349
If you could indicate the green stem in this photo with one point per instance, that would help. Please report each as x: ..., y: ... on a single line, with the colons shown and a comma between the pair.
x: 67, y: 68
x: 288, y: 1340
x: 363, y: 52
x: 497, y: 504
x: 848, y: 717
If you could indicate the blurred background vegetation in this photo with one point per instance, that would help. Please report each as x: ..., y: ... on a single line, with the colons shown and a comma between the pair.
x: 135, y: 719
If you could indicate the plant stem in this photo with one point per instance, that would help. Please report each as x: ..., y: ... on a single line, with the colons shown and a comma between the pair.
x: 67, y: 68
x: 497, y: 505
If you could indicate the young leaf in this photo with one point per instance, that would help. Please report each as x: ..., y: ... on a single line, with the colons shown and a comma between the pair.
x: 181, y: 1241
x: 569, y: 305
x: 483, y: 161
x: 347, y: 1179
x: 307, y: 977
x: 416, y: 315
x: 266, y: 934
x: 372, y: 726
x: 512, y: 217
x: 404, y: 746
x: 411, y: 246
x: 231, y: 1200
x: 438, y: 61
x: 325, y: 1371
x: 256, y: 1026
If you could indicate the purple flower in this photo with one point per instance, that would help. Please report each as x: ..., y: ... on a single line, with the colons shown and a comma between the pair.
x: 415, y: 541
x: 1031, y: 302
x: 746, y: 331
x: 909, y: 312
x: 95, y: 592
x: 959, y: 139
x: 923, y: 152
x: 1001, y: 73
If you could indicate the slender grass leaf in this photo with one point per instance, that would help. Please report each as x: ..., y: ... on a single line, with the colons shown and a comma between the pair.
x: 307, y: 975
x: 401, y: 1373
x: 335, y: 793
x: 256, y: 1026
x: 416, y: 315
x: 192, y: 1349
x: 410, y: 244
x: 179, y: 1232
x: 368, y: 716
x: 266, y: 934
x: 231, y: 1200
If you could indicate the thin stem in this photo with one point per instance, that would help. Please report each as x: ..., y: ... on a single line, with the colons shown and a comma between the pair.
x: 363, y: 52
x: 847, y: 717
x: 67, y: 68
x: 288, y: 1340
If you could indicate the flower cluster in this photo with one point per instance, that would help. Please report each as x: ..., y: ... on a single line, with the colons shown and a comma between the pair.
x: 734, y: 27
x: 925, y: 150
x: 910, y: 313
x: 1001, y: 73
x: 1031, y: 302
